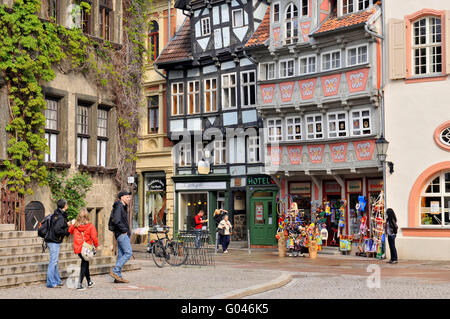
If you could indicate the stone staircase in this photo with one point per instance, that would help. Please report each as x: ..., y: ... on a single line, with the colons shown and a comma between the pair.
x: 22, y: 261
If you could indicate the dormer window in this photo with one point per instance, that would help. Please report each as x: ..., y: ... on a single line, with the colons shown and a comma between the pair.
x: 291, y: 24
x: 351, y: 6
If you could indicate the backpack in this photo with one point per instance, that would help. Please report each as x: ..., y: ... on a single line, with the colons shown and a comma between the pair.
x: 44, y: 226
x: 111, y: 224
x: 193, y: 222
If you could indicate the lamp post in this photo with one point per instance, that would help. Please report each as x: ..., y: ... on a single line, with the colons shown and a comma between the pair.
x: 382, y: 145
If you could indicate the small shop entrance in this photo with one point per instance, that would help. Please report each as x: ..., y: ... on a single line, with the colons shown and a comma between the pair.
x: 190, y: 205
x: 263, y: 218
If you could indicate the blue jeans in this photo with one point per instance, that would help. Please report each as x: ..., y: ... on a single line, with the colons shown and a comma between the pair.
x: 198, y: 232
x: 53, y: 277
x: 124, y: 253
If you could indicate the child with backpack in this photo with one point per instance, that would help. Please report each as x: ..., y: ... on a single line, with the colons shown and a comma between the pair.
x: 83, y: 231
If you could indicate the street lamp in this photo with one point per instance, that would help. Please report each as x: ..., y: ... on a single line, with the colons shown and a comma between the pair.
x: 382, y: 145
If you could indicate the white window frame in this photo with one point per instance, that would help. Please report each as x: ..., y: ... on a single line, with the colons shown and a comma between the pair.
x: 199, y: 151
x: 290, y: 23
x: 179, y: 98
x: 337, y: 132
x: 264, y: 71
x: 428, y: 46
x: 273, y: 12
x: 234, y: 20
x: 315, y: 133
x: 359, y: 56
x: 361, y: 120
x: 184, y: 153
x: 220, y: 149
x: 253, y: 149
x: 205, y: 23
x: 293, y: 136
x: 51, y: 129
x: 442, y: 194
x: 359, y: 2
x: 247, y: 86
x: 102, y: 139
x: 286, y: 62
x: 230, y: 88
x: 302, y: 4
x: 212, y: 96
x: 330, y: 53
x: 274, y: 123
x: 355, y: 6
x: 196, y: 97
x: 309, y: 68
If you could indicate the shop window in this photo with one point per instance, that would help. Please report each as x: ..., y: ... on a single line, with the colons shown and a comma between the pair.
x: 427, y: 46
x: 51, y: 129
x: 357, y: 55
x: 314, y: 125
x: 308, y: 65
x: 210, y: 95
x: 337, y: 124
x: 248, y: 85
x: 83, y: 114
x: 229, y: 91
x: 291, y: 24
x: 155, y: 200
x: 267, y: 71
x: 275, y: 130
x: 177, y: 98
x: 293, y: 128
x: 193, y: 101
x: 105, y: 18
x: 153, y: 114
x: 435, y: 201
x: 286, y: 68
x: 190, y: 204
x: 102, y: 136
x: 331, y: 60
x: 361, y: 122
x: 153, y: 40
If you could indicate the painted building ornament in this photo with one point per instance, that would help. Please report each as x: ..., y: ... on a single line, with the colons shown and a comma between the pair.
x: 286, y: 90
x: 338, y: 152
x: 275, y: 153
x: 276, y: 36
x: 307, y: 88
x: 316, y: 153
x: 305, y: 27
x: 295, y: 154
x: 357, y: 80
x: 364, y: 150
x: 267, y: 91
x: 330, y: 84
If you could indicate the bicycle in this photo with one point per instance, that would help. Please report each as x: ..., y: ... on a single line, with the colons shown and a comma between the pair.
x: 164, y: 249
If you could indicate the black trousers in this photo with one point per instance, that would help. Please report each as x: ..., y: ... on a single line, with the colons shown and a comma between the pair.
x: 84, y: 271
x: 391, y: 240
x: 225, y: 241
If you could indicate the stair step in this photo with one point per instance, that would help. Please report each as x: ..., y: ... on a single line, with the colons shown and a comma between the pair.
x: 33, y: 258
x: 7, y: 227
x: 42, y: 266
x: 32, y: 249
x: 17, y: 234
x: 15, y: 242
x: 24, y: 279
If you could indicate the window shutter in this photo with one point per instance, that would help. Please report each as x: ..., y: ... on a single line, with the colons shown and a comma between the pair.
x: 446, y: 41
x: 397, y: 49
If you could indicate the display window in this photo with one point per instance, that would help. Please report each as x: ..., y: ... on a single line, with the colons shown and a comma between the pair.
x: 354, y: 191
x: 189, y: 205
x: 435, y: 201
x: 154, y: 201
x: 301, y: 194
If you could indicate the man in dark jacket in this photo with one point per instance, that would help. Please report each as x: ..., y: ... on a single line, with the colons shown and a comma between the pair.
x: 59, y: 229
x: 119, y: 220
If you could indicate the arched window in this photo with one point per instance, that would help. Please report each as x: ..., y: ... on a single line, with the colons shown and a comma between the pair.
x: 153, y: 40
x: 435, y: 201
x: 427, y: 46
x: 291, y: 24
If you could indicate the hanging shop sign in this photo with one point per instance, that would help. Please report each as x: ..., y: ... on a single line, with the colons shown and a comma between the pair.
x: 286, y: 90
x: 276, y: 36
x: 267, y: 91
x: 316, y: 153
x: 156, y: 185
x: 275, y: 154
x: 295, y: 154
x: 375, y: 185
x: 338, y: 152
x: 305, y: 27
x: 364, y: 150
x: 357, y: 80
x: 260, y: 180
x: 332, y: 188
x: 354, y: 186
x: 300, y: 188
x: 307, y: 88
x: 330, y: 84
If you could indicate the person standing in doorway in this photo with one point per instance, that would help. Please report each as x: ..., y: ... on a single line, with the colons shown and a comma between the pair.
x: 199, y: 221
x: 391, y: 227
x: 121, y: 226
x: 218, y: 216
x: 59, y: 228
x: 226, y: 226
x: 83, y: 231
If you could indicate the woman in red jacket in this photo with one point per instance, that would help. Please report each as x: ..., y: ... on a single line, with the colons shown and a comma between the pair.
x: 81, y: 227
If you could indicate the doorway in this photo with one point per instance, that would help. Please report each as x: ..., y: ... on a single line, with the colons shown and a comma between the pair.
x: 332, y: 222
x: 190, y: 205
x: 34, y: 214
x: 263, y: 221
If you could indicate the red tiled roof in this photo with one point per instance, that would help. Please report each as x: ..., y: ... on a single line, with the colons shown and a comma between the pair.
x: 334, y: 23
x: 262, y: 33
x: 179, y: 48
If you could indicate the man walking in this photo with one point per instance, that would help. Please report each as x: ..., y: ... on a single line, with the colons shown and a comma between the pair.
x: 59, y: 229
x: 119, y: 221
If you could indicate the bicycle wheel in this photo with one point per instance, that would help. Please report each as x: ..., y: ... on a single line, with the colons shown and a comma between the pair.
x: 177, y: 253
x: 159, y: 254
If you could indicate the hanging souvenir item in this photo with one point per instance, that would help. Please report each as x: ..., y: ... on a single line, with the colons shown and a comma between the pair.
x: 327, y: 208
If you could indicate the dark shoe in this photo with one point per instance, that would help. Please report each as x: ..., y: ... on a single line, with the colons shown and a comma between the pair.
x: 54, y: 286
x: 90, y: 284
x: 395, y: 262
x: 390, y: 262
x: 80, y: 287
x: 116, y: 277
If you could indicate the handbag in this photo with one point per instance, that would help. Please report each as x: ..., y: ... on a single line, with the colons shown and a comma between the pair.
x: 221, y: 231
x: 87, y: 251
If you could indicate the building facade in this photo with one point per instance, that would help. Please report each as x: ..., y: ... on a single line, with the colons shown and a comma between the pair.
x: 154, y: 165
x: 319, y: 75
x: 80, y: 122
x: 211, y: 114
x: 418, y: 57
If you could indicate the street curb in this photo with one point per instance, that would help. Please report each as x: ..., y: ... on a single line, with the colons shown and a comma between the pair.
x: 257, y: 289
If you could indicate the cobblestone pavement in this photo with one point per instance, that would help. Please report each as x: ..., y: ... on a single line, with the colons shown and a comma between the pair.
x: 328, y: 276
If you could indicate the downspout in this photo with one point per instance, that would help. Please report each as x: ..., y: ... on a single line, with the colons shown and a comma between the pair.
x: 170, y: 18
x: 156, y: 70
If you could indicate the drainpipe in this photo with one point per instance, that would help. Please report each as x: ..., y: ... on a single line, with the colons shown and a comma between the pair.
x: 156, y: 70
x: 169, y: 5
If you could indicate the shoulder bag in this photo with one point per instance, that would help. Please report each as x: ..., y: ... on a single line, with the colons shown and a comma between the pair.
x: 87, y: 251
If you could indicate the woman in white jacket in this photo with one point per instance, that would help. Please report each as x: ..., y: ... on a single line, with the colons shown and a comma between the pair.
x: 225, y: 227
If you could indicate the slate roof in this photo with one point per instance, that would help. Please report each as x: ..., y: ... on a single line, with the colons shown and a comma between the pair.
x: 179, y: 48
x: 335, y: 23
x: 262, y: 33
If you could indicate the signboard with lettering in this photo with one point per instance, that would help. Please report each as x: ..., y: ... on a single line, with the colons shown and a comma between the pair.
x: 286, y: 90
x: 364, y: 150
x: 354, y: 186
x: 267, y: 91
x: 307, y: 88
x: 330, y: 84
x: 300, y: 188
x: 357, y: 80
x: 338, y: 152
x: 332, y: 187
x: 316, y: 153
x: 375, y: 185
x: 259, y: 180
x: 156, y: 185
x: 295, y: 154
